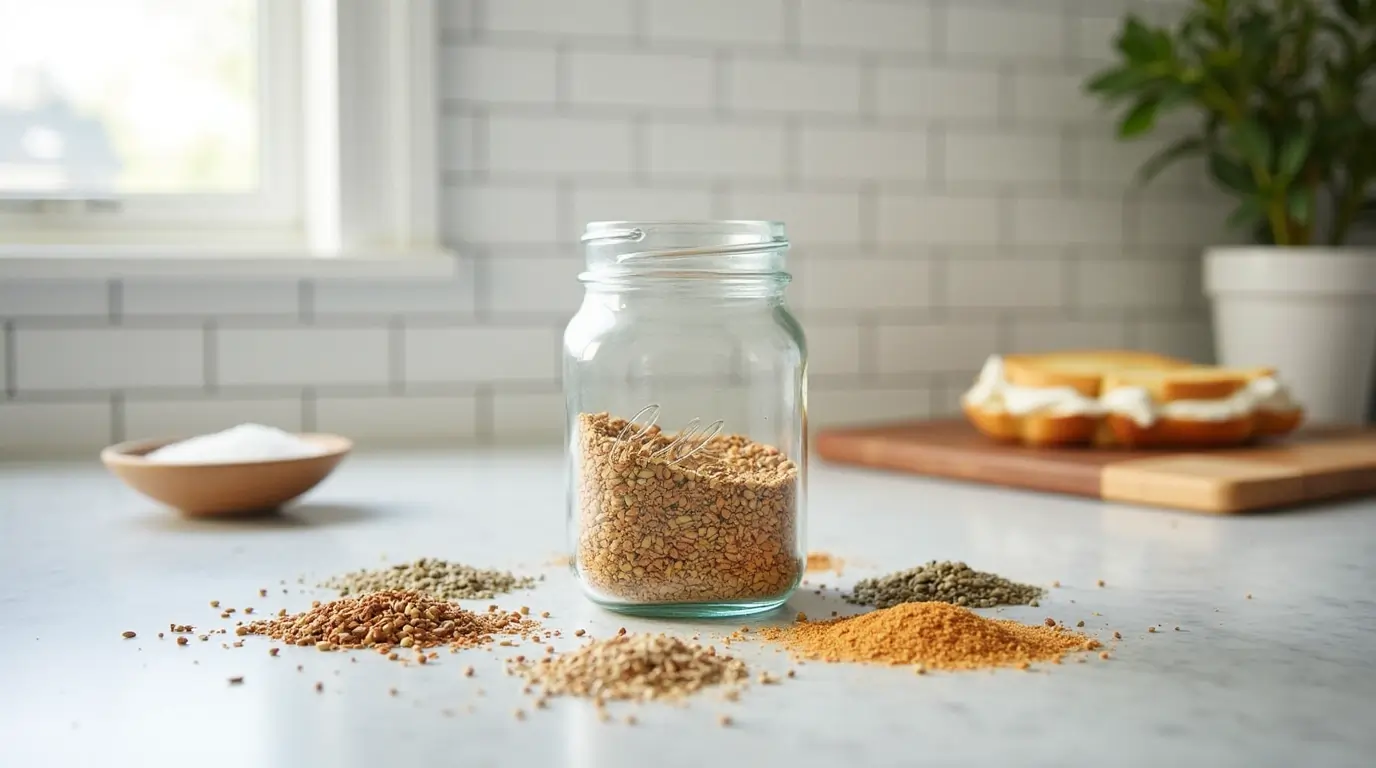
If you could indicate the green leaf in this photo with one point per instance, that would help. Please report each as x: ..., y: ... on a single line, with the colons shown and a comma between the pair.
x: 1300, y: 205
x: 1163, y: 159
x: 1294, y: 152
x: 1231, y: 174
x: 1135, y: 41
x: 1139, y: 119
x: 1247, y: 214
x: 1174, y: 95
x: 1116, y: 81
x: 1251, y: 141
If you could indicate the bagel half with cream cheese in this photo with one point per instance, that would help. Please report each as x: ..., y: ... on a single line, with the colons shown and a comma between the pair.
x: 1050, y: 399
x: 1197, y: 406
x: 1123, y: 398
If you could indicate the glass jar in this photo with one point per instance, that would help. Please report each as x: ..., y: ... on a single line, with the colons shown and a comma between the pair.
x: 685, y: 377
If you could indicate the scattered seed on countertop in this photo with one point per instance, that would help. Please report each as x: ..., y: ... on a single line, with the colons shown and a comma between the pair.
x: 236, y: 680
x: 943, y: 581
x: 128, y: 633
x: 439, y: 578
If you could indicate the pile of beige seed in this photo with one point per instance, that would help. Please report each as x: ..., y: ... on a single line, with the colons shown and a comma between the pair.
x: 441, y: 578
x: 388, y: 620
x: 633, y: 667
x: 656, y: 525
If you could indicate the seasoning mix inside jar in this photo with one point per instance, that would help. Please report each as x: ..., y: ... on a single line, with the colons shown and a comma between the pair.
x: 685, y: 377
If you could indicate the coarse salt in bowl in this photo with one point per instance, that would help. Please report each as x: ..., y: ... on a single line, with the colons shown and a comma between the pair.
x: 244, y: 469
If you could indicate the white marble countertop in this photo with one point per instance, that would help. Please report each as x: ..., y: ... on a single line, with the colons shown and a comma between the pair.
x: 1285, y: 678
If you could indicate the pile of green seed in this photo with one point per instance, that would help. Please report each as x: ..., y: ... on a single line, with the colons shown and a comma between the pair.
x: 440, y: 578
x: 943, y: 582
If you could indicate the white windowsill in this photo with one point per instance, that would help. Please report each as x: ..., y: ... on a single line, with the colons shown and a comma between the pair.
x: 106, y: 262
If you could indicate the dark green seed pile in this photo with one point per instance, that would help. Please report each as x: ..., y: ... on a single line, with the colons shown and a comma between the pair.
x: 440, y: 578
x: 944, y: 582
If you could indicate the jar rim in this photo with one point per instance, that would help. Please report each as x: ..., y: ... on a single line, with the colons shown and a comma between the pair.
x: 632, y: 230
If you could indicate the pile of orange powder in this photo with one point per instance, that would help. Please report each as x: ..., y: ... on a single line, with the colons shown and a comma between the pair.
x: 930, y: 635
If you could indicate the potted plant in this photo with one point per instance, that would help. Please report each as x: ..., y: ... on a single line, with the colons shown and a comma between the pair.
x: 1287, y: 124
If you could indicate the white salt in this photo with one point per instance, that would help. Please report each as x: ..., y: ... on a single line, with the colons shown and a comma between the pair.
x: 246, y: 442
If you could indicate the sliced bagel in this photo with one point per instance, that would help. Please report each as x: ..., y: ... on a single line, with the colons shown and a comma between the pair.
x: 1082, y: 370
x: 1036, y: 429
x: 1218, y: 412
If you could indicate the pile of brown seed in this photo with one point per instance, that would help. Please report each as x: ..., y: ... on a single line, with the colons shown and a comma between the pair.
x: 661, y: 523
x: 633, y: 667
x: 441, y: 578
x: 944, y: 582
x: 388, y: 620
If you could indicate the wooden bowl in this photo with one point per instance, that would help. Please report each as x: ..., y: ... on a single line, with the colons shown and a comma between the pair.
x: 239, y: 487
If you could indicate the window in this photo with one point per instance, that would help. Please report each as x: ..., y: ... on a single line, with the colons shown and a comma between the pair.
x: 261, y: 126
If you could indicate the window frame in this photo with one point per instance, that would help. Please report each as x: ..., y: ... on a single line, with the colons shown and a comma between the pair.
x: 361, y: 161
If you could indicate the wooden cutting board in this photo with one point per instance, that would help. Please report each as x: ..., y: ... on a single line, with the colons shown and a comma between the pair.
x: 1309, y: 466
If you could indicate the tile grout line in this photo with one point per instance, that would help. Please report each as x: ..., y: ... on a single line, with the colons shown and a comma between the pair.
x: 793, y: 26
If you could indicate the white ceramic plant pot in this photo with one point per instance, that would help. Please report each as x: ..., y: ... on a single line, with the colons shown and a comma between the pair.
x: 1310, y: 312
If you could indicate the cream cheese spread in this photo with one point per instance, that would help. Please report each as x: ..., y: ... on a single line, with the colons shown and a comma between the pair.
x: 992, y: 393
x: 1136, y: 403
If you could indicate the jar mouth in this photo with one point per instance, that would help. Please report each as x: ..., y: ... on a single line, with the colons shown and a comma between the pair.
x: 684, y: 249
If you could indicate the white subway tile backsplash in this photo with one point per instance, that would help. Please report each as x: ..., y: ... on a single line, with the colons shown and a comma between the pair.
x: 810, y: 217
x: 641, y: 80
x: 722, y: 22
x: 841, y: 407
x: 937, y: 163
x: 490, y: 214
x: 537, y: 415
x: 108, y: 358
x: 1108, y: 161
x: 1056, y: 97
x: 1005, y: 283
x: 935, y: 348
x: 546, y: 286
x: 301, y: 356
x: 635, y: 204
x: 4, y: 358
x: 936, y: 92
x: 866, y: 284
x: 54, y: 298
x: 1032, y: 336
x: 792, y: 85
x: 1002, y: 158
x: 726, y: 151
x: 1060, y: 221
x: 399, y: 421
x: 939, y: 220
x: 833, y: 349
x: 202, y: 299
x: 448, y: 296
x: 35, y: 430
x: 477, y: 73
x: 560, y: 145
x: 1191, y: 339
x: 459, y: 143
x: 863, y: 154
x: 1094, y: 36
x: 1131, y: 283
x: 149, y: 419
x: 480, y: 353
x: 1185, y: 223
x: 864, y: 26
x: 1003, y: 32
x: 592, y: 18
